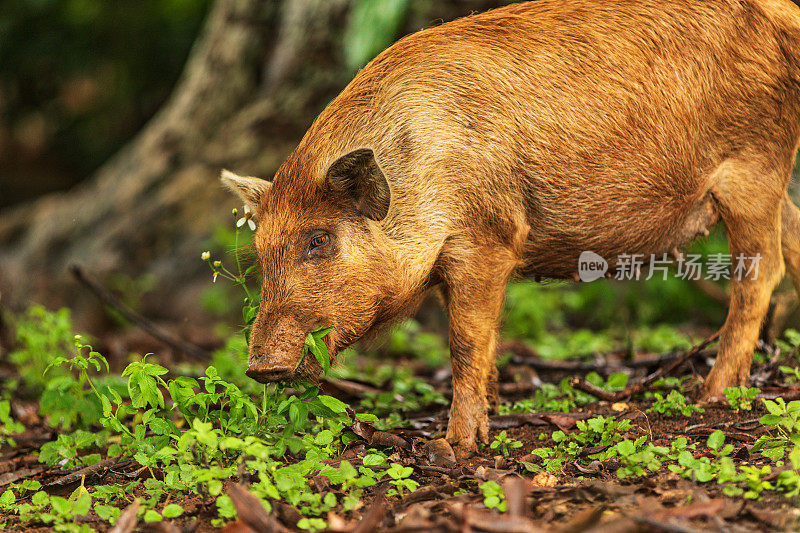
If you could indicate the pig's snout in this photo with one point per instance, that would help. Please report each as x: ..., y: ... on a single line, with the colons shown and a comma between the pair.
x: 269, y: 373
x: 276, y: 348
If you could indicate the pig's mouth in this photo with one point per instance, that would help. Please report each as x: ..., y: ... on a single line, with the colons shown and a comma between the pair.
x: 269, y: 375
x: 308, y: 370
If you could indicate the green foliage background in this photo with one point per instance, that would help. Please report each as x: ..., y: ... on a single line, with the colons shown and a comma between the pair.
x: 79, y: 77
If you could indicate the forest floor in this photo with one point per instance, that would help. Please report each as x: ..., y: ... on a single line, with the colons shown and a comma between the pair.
x: 608, y: 463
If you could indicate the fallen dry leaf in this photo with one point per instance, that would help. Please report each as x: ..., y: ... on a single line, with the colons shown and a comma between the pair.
x: 127, y: 520
x: 497, y: 523
x: 252, y: 513
x: 439, y: 453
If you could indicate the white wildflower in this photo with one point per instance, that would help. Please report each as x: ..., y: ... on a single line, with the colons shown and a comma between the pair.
x: 248, y: 218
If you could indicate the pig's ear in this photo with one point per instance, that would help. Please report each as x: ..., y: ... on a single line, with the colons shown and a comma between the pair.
x: 358, y: 176
x: 250, y: 190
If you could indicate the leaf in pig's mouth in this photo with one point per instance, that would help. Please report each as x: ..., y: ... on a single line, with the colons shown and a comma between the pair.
x: 316, y: 346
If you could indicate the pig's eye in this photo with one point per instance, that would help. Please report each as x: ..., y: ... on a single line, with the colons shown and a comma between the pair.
x: 317, y: 241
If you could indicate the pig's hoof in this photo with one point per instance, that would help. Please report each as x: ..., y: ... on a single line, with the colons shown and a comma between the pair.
x: 706, y: 398
x: 716, y: 382
x: 713, y: 390
x: 463, y: 433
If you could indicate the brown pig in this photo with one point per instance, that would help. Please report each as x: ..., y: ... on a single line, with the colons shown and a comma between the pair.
x: 509, y: 142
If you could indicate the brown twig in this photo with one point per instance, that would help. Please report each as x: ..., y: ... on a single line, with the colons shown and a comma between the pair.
x: 347, y: 387
x: 74, y: 477
x: 145, y: 325
x: 685, y: 357
x: 583, y: 385
x: 788, y: 394
x: 636, y: 388
x: 713, y: 291
x: 24, y: 473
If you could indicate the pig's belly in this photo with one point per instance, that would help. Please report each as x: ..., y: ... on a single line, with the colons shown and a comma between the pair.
x: 557, y: 238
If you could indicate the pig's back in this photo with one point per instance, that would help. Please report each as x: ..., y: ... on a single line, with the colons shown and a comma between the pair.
x: 597, y: 120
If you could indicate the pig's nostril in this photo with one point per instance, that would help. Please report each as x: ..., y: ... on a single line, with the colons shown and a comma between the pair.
x: 270, y: 374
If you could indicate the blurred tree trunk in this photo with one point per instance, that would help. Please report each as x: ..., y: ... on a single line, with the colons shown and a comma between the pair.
x: 257, y: 76
x: 149, y: 209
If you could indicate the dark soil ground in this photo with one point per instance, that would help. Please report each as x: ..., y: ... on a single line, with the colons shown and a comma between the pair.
x: 582, y: 498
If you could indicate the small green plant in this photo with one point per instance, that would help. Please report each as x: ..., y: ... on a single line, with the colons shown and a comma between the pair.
x: 637, y: 457
x: 673, y: 404
x: 56, y: 511
x: 703, y: 469
x: 72, y: 397
x: 788, y: 481
x: 401, y: 479
x: 785, y: 420
x: 601, y: 431
x: 64, y: 450
x: 8, y: 426
x: 791, y: 344
x: 598, y: 432
x: 494, y: 497
x: 312, y: 524
x: 504, y: 443
x: 549, y: 397
x: 755, y: 480
x: 699, y: 469
x: 792, y: 373
x: 41, y: 336
x: 615, y: 382
x: 716, y: 442
x: 741, y: 398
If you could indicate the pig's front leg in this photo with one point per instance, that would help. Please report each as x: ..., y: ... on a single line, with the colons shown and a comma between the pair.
x: 474, y: 300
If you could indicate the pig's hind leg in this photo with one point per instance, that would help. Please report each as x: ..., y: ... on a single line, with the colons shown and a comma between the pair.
x: 474, y: 289
x: 749, y: 202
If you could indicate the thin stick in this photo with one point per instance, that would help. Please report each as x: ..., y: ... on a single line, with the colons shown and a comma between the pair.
x: 583, y: 385
x: 685, y: 357
x: 664, y: 370
x: 145, y: 325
